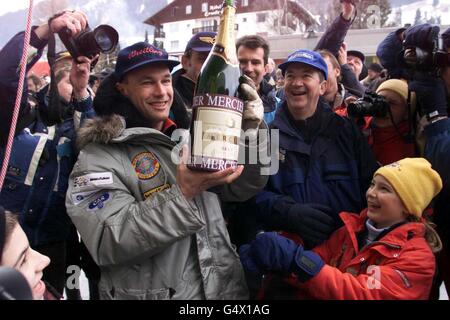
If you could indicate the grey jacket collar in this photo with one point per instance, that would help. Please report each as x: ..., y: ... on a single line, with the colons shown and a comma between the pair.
x: 112, y: 129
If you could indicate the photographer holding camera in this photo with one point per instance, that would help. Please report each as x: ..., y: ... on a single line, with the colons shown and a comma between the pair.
x: 44, y: 150
x: 389, y: 122
x: 431, y: 83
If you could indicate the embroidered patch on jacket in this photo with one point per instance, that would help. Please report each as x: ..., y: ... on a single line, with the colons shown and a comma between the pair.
x: 13, y: 171
x: 157, y: 189
x: 80, y: 197
x: 99, y: 203
x: 146, y: 165
x: 93, y: 179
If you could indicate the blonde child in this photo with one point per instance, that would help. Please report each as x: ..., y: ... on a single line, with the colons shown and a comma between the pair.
x: 385, y: 252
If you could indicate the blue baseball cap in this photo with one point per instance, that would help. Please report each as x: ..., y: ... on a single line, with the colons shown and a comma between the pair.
x: 141, y: 54
x: 202, y: 41
x: 310, y: 58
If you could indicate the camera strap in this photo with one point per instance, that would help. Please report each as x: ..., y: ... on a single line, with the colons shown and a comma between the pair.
x: 54, y: 105
x: 409, y: 138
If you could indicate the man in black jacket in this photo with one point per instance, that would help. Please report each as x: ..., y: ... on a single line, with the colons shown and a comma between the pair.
x: 351, y: 61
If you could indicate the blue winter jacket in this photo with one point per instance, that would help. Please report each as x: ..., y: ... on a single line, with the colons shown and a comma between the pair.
x: 437, y: 151
x: 334, y: 169
x: 42, y: 156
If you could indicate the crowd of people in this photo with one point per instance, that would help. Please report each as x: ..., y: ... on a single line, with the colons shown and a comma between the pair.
x: 356, y: 210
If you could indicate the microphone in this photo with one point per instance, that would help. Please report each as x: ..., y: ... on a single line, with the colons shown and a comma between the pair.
x: 13, y: 285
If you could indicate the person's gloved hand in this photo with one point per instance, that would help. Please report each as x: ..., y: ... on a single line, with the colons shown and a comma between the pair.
x: 313, y: 222
x: 431, y: 95
x: 421, y: 36
x: 272, y: 252
x: 253, y: 106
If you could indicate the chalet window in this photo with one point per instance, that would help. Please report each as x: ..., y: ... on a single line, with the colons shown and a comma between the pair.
x: 173, y: 27
x: 261, y: 17
x: 188, y: 9
x: 244, y: 19
x: 174, y: 45
x: 207, y: 23
x: 205, y: 7
x: 244, y: 3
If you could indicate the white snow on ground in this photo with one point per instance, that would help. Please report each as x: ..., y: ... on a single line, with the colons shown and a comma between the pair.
x: 443, y: 293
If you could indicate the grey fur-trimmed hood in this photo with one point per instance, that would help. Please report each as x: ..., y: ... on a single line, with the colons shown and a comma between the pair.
x: 111, y: 129
x: 100, y: 130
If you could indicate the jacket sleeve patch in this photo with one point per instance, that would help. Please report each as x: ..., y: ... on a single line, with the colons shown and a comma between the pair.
x: 99, y: 202
x: 80, y: 197
x: 93, y: 179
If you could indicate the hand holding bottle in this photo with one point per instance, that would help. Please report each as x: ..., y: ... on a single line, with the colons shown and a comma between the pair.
x: 216, y: 109
x: 193, y: 182
x: 253, y: 106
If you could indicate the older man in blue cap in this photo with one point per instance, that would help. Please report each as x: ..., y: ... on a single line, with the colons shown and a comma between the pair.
x: 325, y: 163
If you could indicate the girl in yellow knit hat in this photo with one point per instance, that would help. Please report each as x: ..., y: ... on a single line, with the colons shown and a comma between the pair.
x: 385, y: 252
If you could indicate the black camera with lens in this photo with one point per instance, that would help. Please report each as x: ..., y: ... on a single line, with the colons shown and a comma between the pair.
x: 371, y: 104
x: 429, y: 58
x: 89, y: 43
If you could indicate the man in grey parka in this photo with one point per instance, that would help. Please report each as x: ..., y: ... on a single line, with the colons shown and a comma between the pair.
x: 155, y: 228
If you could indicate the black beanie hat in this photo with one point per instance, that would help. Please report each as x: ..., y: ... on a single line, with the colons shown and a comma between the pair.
x: 2, y: 230
x: 375, y: 67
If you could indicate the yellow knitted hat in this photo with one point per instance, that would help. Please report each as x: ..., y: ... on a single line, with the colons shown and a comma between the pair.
x: 415, y: 182
x: 400, y: 87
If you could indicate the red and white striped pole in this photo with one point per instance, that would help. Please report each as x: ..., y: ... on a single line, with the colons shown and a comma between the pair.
x: 23, y: 68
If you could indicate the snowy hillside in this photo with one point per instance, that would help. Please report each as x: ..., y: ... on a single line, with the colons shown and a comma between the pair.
x: 125, y: 16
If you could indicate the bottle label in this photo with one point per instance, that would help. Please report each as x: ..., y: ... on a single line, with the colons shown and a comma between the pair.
x: 217, y: 129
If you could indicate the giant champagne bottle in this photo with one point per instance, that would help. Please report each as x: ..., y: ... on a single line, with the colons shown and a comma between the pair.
x: 217, y: 112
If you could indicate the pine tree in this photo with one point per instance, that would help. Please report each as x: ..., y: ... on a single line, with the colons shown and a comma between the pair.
x: 371, y: 13
x: 418, y: 18
x: 398, y: 17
